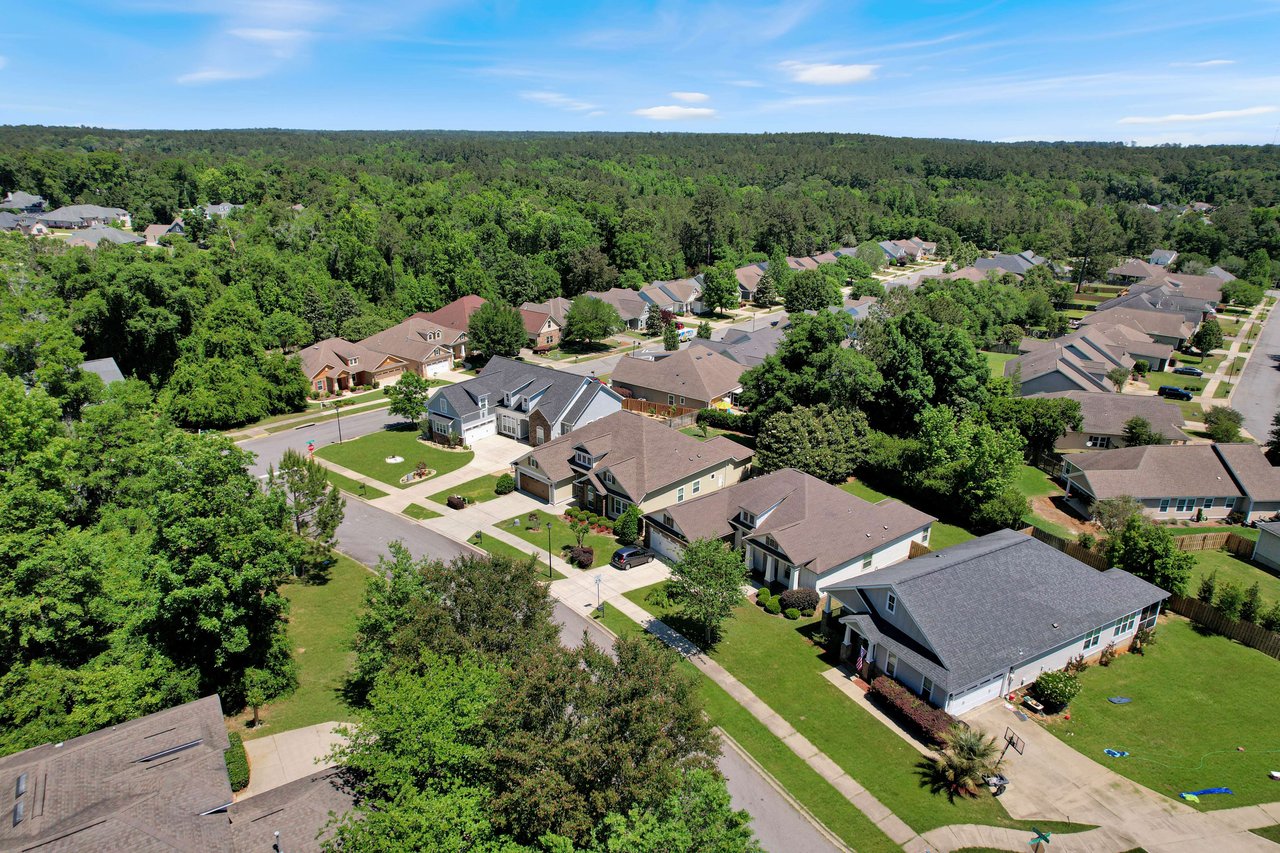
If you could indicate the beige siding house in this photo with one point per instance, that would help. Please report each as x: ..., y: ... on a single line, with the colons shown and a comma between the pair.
x: 1104, y: 416
x: 334, y: 366
x: 693, y: 378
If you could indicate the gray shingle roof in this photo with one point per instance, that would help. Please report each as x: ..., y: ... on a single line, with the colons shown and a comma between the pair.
x: 298, y: 811
x: 76, y: 212
x: 104, y: 368
x: 95, y: 234
x: 1257, y: 477
x: 1154, y: 471
x: 22, y: 201
x: 996, y: 601
x: 747, y: 348
x: 502, y: 375
x: 1106, y: 414
x: 143, y: 785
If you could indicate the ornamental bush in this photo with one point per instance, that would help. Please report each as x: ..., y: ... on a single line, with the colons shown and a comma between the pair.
x: 237, y: 763
x: 800, y: 599
x: 791, y: 613
x: 627, y: 525
x: 929, y: 722
x: 763, y: 595
x: 582, y: 556
x: 506, y: 485
x: 772, y: 606
x: 1056, y: 689
x: 720, y: 419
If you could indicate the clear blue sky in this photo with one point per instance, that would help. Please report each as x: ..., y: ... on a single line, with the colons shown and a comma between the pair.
x: 1148, y: 72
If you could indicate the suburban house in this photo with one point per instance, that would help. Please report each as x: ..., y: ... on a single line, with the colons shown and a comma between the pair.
x: 973, y: 274
x: 1170, y: 328
x: 220, y: 211
x: 557, y: 308
x: 85, y: 215
x: 542, y: 329
x: 1132, y: 342
x: 1178, y: 482
x: 426, y: 348
x: 335, y: 365
x: 903, y: 251
x: 1103, y: 418
x: 625, y: 459
x: 1206, y: 287
x: 1267, y: 549
x: 1017, y: 264
x: 793, y: 529
x: 522, y: 401
x: 749, y: 280
x: 1163, y: 257
x: 1133, y: 271
x: 630, y: 305
x: 105, y: 369
x: 95, y: 234
x: 454, y: 317
x: 679, y: 297
x: 746, y: 348
x: 153, y: 233
x: 969, y: 624
x: 23, y: 202
x: 1146, y: 297
x: 694, y: 378
x: 1079, y: 361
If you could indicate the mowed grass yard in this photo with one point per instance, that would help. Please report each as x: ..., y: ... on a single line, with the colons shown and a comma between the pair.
x: 322, y: 624
x: 1232, y: 569
x: 561, y: 536
x: 368, y: 454
x: 479, y: 490
x: 1196, y: 699
x: 941, y: 534
x: 997, y: 360
x: 774, y: 657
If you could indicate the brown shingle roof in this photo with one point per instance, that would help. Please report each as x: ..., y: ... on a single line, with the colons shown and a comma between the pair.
x: 1258, y: 478
x: 643, y: 455
x: 533, y: 320
x: 696, y: 373
x: 1166, y: 324
x: 416, y: 339
x: 456, y: 314
x: 336, y: 352
x: 1155, y: 471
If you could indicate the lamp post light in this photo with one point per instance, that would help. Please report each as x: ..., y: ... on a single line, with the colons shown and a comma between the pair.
x: 599, y: 581
x: 549, y: 574
x: 337, y: 413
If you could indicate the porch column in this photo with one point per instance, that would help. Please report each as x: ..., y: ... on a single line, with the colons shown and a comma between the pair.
x: 770, y: 565
x: 848, y: 635
x: 846, y: 647
x: 795, y: 577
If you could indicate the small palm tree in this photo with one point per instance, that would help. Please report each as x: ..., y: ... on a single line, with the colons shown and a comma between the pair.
x: 967, y: 756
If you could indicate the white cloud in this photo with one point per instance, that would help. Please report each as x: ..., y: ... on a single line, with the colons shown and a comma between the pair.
x: 558, y: 100
x: 1208, y: 63
x: 1178, y: 118
x: 675, y: 113
x: 216, y: 75
x: 595, y: 113
x: 747, y: 84
x: 690, y: 97
x: 825, y: 74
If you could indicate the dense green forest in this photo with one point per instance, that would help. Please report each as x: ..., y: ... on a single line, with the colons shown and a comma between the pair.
x: 393, y: 223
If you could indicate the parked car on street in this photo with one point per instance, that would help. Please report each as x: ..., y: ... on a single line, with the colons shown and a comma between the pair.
x: 1188, y: 371
x: 631, y: 555
x: 1173, y: 392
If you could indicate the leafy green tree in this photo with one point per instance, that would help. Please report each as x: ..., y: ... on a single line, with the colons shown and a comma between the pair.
x: 589, y: 319
x: 766, y: 291
x: 409, y: 396
x: 1251, y: 606
x: 1118, y: 376
x: 871, y: 254
x: 1138, y: 432
x: 653, y: 320
x: 704, y: 330
x: 1258, y: 268
x: 315, y: 506
x: 823, y: 442
x: 1094, y: 241
x: 719, y: 287
x: 810, y: 290
x: 670, y: 338
x: 627, y: 526
x: 965, y: 255
x: 1112, y: 514
x: 1041, y: 421
x: 1148, y: 551
x: 258, y: 687
x: 1207, y: 337
x: 1224, y: 424
x: 496, y: 329
x: 706, y: 584
x: 1273, y: 437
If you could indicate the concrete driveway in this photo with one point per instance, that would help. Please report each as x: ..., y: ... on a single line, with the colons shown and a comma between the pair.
x: 279, y: 759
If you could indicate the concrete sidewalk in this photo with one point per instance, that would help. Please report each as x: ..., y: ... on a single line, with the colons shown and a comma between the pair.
x: 279, y: 759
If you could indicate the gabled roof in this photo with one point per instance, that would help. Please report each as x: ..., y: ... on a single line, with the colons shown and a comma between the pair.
x: 1255, y: 475
x: 105, y: 369
x: 1166, y: 324
x: 298, y: 810
x: 336, y: 352
x: 970, y: 274
x: 643, y: 455
x: 557, y: 389
x: 1106, y: 414
x: 696, y: 372
x: 994, y: 602
x: 1205, y: 287
x: 1155, y: 471
x: 220, y: 209
x: 143, y: 785
x: 1018, y: 263
x: 627, y: 302
x: 1083, y: 357
x: 534, y: 320
x: 21, y: 200
x: 416, y: 339
x: 1134, y: 268
x: 558, y: 307
x: 9, y: 221
x: 456, y: 314
x: 749, y: 276
x: 746, y: 348
x: 1220, y: 274
x: 1162, y: 257
x: 73, y: 212
x: 95, y: 234
x: 814, y: 523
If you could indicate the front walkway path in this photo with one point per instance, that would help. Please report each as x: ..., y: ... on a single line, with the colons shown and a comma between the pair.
x: 279, y: 759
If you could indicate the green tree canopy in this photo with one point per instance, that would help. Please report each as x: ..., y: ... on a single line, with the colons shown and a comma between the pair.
x: 589, y: 320
x: 706, y: 584
x: 496, y: 329
x: 1148, y: 551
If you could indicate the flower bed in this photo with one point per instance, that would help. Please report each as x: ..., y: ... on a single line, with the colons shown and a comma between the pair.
x: 928, y: 722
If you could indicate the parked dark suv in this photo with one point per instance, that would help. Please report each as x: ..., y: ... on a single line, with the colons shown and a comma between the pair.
x: 1188, y: 371
x: 1173, y: 392
x: 632, y: 555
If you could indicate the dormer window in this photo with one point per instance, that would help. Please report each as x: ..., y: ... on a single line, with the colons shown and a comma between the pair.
x: 747, y: 518
x: 483, y: 402
x: 352, y: 362
x: 583, y: 458
x: 607, y: 478
x: 891, y: 603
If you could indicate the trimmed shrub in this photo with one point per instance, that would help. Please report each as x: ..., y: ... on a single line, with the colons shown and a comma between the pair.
x: 1108, y: 654
x: 772, y: 606
x: 582, y: 556
x: 791, y: 613
x: 1056, y: 689
x: 506, y: 485
x: 720, y: 419
x: 763, y: 595
x: 806, y: 613
x: 1229, y: 600
x: 929, y: 722
x: 456, y: 502
x: 237, y: 763
x: 627, y: 525
x: 800, y: 599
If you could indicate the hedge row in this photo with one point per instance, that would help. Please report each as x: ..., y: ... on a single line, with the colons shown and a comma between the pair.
x: 930, y: 722
x: 237, y: 763
x: 720, y: 419
x: 590, y: 517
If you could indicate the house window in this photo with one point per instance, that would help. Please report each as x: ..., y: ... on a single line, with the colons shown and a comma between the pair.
x: 682, y: 401
x: 1102, y: 441
x: 671, y: 399
x: 926, y: 689
x: 891, y: 665
x: 483, y: 402
x: 748, y: 518
x: 1091, y: 638
x: 617, y: 506
x: 1126, y: 624
x: 533, y: 463
x: 697, y: 486
x: 1229, y: 503
x: 607, y: 478
x: 1208, y: 503
x: 680, y: 494
x: 582, y: 458
x: 352, y: 362
x: 891, y: 603
x: 319, y: 386
x: 924, y: 540
x: 1164, y: 505
x: 786, y: 572
x: 866, y: 562
x: 1184, y: 505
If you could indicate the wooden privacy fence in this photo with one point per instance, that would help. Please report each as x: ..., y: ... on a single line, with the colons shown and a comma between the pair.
x: 657, y: 410
x: 1071, y: 549
x: 1233, y: 542
x: 1246, y: 633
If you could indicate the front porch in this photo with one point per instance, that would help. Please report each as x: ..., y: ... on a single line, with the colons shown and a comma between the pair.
x: 770, y: 566
x: 589, y: 498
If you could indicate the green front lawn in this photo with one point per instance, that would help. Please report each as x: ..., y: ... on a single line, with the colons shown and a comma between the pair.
x: 1197, y: 699
x: 355, y: 487
x: 1191, y: 410
x: 1229, y: 327
x: 322, y: 624
x: 498, y: 548
x: 1207, y: 363
x: 1194, y: 384
x: 368, y: 455
x: 479, y: 490
x: 997, y: 360
x: 561, y: 536
x: 1271, y: 833
x: 1230, y: 568
x: 420, y: 512
x: 773, y: 657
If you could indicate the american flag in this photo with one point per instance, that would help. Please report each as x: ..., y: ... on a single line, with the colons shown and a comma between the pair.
x: 861, y: 656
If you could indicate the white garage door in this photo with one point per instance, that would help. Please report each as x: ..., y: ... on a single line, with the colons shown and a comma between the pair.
x: 665, y: 547
x: 480, y: 431
x: 984, y: 692
x: 437, y: 368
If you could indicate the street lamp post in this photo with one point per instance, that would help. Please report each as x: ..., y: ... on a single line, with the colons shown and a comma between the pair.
x: 337, y: 412
x: 549, y: 574
x: 599, y: 581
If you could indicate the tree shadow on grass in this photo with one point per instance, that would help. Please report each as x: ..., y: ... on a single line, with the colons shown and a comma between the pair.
x: 403, y: 426
x: 929, y: 776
